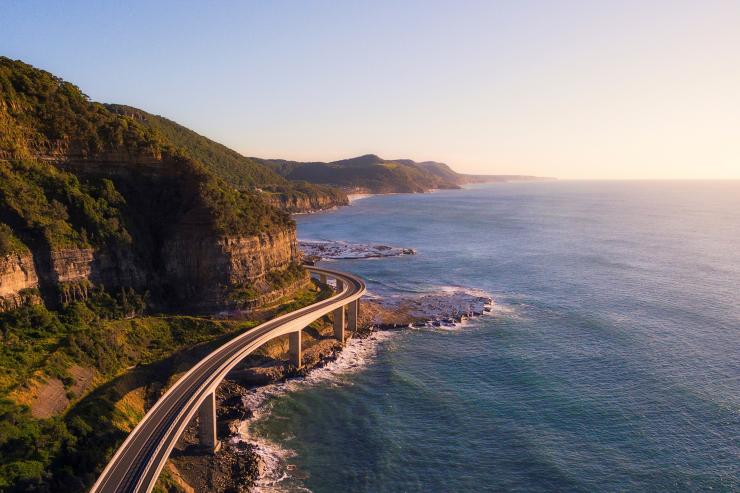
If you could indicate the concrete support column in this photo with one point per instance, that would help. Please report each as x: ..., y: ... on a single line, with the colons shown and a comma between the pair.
x: 340, y: 285
x: 295, y: 348
x: 352, y: 312
x: 339, y: 324
x: 207, y: 424
x: 322, y: 278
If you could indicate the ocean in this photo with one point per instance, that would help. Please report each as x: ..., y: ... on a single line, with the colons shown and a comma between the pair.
x: 611, y: 361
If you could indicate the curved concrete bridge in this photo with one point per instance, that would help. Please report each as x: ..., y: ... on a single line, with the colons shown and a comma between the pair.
x: 137, y: 463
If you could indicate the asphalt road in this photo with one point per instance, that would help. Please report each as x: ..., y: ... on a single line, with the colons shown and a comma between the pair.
x: 136, y: 465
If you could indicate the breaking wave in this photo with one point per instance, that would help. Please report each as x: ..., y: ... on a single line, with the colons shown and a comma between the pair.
x: 278, y: 475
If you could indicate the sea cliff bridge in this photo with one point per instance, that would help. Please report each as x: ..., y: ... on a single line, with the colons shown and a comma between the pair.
x: 137, y: 463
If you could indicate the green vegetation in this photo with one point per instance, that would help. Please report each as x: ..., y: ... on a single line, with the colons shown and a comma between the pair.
x: 275, y: 280
x: 372, y: 173
x: 74, y: 174
x: 303, y: 298
x: 237, y: 212
x: 41, y: 114
x: 65, y: 452
x: 42, y: 202
x: 9, y: 243
x: 279, y: 279
x: 232, y: 167
x: 56, y: 193
x: 238, y: 171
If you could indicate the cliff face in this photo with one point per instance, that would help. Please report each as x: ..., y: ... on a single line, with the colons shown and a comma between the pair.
x: 175, y: 253
x: 91, y: 198
x: 251, y: 258
x: 17, y: 277
x: 176, y: 250
x: 301, y: 203
x: 202, y: 270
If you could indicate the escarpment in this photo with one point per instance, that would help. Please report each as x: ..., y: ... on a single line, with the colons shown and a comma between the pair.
x: 210, y: 272
x: 238, y: 171
x: 177, y: 246
x: 299, y: 203
x: 91, y: 199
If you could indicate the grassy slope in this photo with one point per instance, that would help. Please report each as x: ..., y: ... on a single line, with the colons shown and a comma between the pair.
x: 133, y: 360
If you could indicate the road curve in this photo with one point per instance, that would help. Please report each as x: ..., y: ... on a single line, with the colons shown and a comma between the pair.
x: 137, y: 463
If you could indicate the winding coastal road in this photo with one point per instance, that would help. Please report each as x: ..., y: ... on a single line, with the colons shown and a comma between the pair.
x: 137, y: 463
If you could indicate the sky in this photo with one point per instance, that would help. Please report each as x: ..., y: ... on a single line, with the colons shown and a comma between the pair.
x: 576, y: 90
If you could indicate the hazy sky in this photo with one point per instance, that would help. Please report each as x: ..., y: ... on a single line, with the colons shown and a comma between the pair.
x: 589, y: 89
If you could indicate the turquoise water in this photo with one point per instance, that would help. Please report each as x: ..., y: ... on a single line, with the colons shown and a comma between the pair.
x: 612, y: 363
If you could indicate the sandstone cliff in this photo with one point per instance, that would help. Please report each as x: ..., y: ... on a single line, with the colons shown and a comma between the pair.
x: 98, y: 200
x: 302, y: 203
x: 205, y: 271
x: 18, y: 280
x: 175, y: 252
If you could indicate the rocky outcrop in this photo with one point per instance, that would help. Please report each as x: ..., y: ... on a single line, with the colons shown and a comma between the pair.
x: 18, y: 280
x: 204, y: 269
x: 175, y: 251
x: 198, y: 271
x: 65, y: 274
x: 252, y: 257
x: 71, y: 264
x: 302, y: 204
x: 100, y: 199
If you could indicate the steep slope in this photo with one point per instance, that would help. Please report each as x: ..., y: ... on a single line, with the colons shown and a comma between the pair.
x: 239, y: 171
x: 104, y: 221
x: 98, y: 199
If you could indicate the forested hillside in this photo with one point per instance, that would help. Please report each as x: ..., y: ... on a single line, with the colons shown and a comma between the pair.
x: 368, y: 173
x: 239, y: 171
x: 373, y: 174
x: 114, y: 236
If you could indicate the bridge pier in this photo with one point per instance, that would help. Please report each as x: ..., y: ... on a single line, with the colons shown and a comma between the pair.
x: 294, y: 349
x: 353, y: 308
x: 207, y: 424
x: 322, y: 278
x: 340, y: 285
x: 339, y: 324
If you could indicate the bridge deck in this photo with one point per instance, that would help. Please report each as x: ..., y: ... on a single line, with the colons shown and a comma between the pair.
x: 136, y: 465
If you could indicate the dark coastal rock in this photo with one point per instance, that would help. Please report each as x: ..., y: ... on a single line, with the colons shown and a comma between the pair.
x: 314, y: 250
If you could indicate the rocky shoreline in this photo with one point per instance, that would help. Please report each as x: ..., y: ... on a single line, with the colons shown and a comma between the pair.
x: 239, y: 466
x: 315, y: 250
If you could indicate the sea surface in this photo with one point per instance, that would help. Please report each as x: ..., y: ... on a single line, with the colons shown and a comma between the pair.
x: 611, y: 362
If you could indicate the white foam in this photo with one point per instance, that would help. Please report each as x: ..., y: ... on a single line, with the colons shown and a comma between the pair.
x: 354, y: 197
x: 355, y: 356
x: 464, y: 290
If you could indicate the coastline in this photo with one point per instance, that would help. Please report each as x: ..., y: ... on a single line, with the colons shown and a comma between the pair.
x: 354, y: 197
x: 249, y: 461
